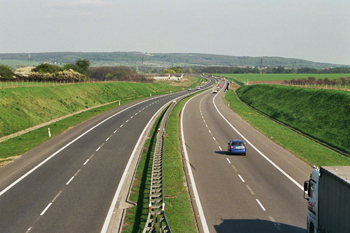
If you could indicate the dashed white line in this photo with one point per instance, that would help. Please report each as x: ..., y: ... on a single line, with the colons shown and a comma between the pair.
x: 126, y: 121
x: 115, y: 131
x: 220, y: 148
x: 209, y: 131
x: 214, y: 139
x: 277, y: 225
x: 47, y: 207
x: 108, y: 139
x: 250, y: 189
x: 98, y: 148
x: 86, y: 162
x: 262, y: 207
x: 241, y: 178
x: 70, y: 180
x: 228, y: 161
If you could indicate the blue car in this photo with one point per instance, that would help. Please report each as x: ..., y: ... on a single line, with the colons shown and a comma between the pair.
x: 237, y: 147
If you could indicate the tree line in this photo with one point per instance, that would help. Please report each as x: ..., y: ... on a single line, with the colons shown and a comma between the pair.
x: 269, y: 70
x: 314, y: 81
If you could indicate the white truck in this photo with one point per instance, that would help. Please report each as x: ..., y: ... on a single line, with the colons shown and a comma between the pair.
x: 328, y: 196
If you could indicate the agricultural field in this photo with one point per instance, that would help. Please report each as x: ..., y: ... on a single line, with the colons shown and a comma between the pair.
x: 280, y: 77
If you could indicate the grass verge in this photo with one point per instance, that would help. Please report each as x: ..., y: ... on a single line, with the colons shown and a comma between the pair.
x: 310, y: 152
x: 178, y: 208
x: 21, y: 144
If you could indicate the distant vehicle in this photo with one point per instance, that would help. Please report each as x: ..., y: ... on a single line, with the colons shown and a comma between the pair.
x: 198, y: 88
x: 215, y: 90
x: 189, y: 89
x: 237, y: 147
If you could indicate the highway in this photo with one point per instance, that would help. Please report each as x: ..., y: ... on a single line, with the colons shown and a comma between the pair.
x: 69, y: 183
x: 259, y: 192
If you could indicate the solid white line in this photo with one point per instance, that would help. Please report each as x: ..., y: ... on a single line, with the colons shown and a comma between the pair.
x: 121, y: 182
x: 264, y: 156
x: 64, y: 147
x: 47, y: 207
x: 241, y: 178
x: 70, y: 180
x: 228, y: 161
x: 262, y: 207
x: 195, y: 192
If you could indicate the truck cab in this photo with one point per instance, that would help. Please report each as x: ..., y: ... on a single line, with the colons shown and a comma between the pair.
x: 311, y: 190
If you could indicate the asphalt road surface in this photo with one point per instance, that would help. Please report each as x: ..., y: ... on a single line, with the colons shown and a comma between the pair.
x: 68, y: 183
x: 259, y: 192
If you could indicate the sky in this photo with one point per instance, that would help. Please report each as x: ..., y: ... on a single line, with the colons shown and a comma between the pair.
x: 314, y: 30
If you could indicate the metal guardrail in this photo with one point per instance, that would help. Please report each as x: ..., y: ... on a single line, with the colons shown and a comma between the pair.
x: 156, y: 213
x: 156, y: 208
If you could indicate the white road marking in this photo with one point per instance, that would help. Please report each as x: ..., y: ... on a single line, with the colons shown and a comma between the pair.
x: 115, y: 131
x: 241, y: 178
x: 220, y: 147
x: 190, y: 174
x: 250, y: 189
x: 86, y: 162
x: 98, y: 149
x: 262, y: 207
x: 121, y: 182
x: 70, y: 180
x: 108, y: 138
x: 228, y: 161
x: 64, y: 147
x: 214, y: 139
x: 264, y: 156
x: 277, y: 225
x: 126, y: 121
x: 47, y: 207
x: 56, y: 197
x: 209, y: 131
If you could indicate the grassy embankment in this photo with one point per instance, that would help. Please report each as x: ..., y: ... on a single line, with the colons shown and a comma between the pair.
x: 21, y: 108
x: 280, y: 77
x: 320, y: 113
x: 178, y: 209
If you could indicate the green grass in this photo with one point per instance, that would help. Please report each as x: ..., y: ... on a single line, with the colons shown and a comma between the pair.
x: 280, y: 77
x: 310, y: 152
x: 178, y: 208
x: 21, y: 144
x: 323, y: 114
x: 21, y: 108
x: 135, y: 217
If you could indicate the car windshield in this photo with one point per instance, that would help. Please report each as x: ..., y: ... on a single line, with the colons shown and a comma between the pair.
x: 237, y: 144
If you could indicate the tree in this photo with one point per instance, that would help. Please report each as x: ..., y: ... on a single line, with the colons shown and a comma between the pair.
x: 169, y: 71
x: 82, y: 65
x: 47, y: 68
x: 6, y: 72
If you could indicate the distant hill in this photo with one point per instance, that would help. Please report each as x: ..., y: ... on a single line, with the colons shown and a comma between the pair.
x: 155, y: 59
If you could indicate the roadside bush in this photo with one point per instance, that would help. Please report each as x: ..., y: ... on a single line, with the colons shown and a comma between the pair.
x: 6, y: 72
